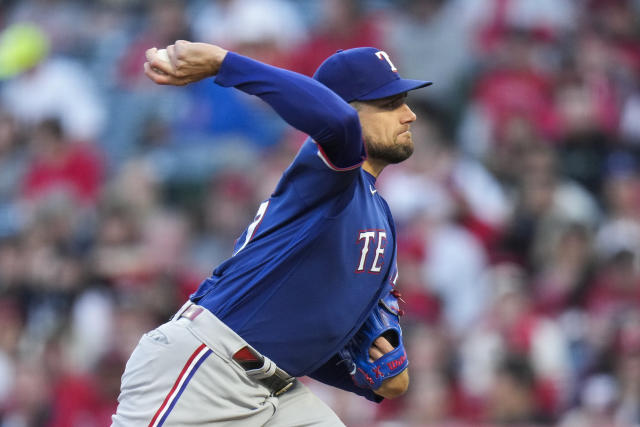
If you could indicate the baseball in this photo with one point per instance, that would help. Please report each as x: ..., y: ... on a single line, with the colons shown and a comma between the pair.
x: 162, y: 55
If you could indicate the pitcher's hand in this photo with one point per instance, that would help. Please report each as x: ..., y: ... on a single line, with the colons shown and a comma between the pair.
x: 391, y: 387
x: 188, y: 62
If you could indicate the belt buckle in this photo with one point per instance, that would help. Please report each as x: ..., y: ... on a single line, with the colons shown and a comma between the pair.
x: 285, y: 388
x: 279, y: 382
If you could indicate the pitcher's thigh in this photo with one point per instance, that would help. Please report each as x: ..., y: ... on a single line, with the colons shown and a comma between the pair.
x: 173, y: 379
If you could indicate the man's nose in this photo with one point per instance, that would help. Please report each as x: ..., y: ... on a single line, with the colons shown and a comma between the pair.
x: 408, y: 115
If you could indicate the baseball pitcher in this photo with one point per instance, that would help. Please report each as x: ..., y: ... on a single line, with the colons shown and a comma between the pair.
x: 310, y: 287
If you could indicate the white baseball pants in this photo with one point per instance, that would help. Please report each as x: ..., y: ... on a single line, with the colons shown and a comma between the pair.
x: 182, y: 374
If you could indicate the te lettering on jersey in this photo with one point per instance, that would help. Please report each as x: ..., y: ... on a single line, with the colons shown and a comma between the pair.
x: 371, y: 261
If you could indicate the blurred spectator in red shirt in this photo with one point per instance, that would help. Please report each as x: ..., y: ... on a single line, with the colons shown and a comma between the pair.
x: 82, y: 398
x: 515, y: 86
x: 59, y: 165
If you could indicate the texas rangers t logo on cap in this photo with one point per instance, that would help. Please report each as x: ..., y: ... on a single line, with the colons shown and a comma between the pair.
x: 381, y: 54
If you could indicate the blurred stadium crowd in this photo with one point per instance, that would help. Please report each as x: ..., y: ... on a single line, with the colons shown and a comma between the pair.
x: 518, y: 215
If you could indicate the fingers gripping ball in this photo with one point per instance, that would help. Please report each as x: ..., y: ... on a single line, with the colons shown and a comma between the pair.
x: 382, y: 321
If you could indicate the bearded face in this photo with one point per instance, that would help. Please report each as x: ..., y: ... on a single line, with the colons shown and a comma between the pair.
x: 385, y: 128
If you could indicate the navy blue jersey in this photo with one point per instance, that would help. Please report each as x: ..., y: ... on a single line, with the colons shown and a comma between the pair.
x: 311, y: 265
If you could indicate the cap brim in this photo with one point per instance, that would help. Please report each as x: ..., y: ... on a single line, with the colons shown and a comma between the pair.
x: 394, y: 87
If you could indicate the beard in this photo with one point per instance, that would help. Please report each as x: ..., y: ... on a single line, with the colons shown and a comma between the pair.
x: 389, y: 153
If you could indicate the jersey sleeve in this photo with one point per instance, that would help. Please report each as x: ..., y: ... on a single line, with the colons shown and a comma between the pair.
x: 304, y: 103
x: 335, y: 374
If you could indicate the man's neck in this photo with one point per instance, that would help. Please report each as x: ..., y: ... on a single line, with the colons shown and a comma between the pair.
x: 373, y: 166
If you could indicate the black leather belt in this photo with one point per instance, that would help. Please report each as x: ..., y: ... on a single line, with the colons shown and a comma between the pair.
x: 264, y: 370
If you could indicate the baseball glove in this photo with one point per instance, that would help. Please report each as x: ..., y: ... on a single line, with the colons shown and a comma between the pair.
x: 382, y: 321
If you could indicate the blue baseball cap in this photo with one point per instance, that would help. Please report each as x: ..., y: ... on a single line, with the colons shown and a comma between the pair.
x: 363, y: 74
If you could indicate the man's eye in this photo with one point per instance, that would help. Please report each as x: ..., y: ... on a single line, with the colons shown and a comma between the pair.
x: 394, y: 104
